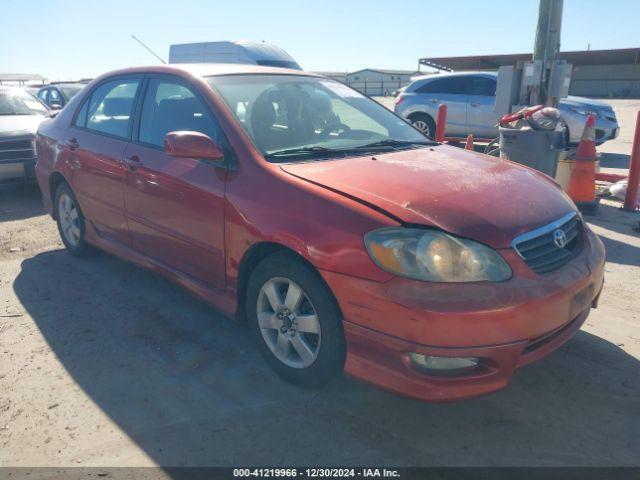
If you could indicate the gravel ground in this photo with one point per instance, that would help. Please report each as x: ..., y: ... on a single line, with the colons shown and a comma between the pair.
x: 105, y: 364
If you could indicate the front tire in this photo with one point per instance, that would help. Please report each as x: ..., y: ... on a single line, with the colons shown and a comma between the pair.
x: 424, y: 123
x: 296, y: 321
x: 70, y: 221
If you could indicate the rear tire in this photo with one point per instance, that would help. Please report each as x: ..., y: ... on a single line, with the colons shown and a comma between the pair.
x: 295, y: 321
x: 70, y: 221
x: 424, y: 123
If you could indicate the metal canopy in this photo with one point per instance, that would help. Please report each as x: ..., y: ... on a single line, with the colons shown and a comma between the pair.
x: 493, y: 62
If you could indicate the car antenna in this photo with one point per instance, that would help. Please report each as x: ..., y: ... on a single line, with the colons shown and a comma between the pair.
x: 150, y: 51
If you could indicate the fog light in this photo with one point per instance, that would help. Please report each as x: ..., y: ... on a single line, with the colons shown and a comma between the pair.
x: 443, y: 365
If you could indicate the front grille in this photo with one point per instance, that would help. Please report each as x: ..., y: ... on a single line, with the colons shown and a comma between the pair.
x: 539, y: 249
x: 15, y: 150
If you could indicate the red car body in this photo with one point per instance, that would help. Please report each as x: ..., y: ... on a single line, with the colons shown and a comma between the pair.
x: 207, y: 227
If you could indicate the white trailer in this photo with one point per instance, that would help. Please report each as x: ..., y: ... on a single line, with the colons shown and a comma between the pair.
x: 253, y: 53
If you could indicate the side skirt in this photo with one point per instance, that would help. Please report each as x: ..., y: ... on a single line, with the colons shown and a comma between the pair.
x: 222, y: 300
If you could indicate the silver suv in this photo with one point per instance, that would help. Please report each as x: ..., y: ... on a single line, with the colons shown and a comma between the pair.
x: 470, y: 97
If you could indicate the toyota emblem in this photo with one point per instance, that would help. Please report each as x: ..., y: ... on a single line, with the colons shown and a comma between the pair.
x: 559, y: 238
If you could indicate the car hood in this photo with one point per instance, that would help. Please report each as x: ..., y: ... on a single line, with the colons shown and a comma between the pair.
x: 20, y: 123
x: 584, y: 102
x: 462, y: 192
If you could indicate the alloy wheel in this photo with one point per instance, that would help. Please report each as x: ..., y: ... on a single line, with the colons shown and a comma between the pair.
x: 69, y: 221
x: 423, y: 126
x: 288, y: 322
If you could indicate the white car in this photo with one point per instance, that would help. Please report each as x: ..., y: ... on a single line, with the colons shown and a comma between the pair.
x: 20, y: 114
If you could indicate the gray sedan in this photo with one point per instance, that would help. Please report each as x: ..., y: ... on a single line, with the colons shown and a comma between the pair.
x: 470, y: 97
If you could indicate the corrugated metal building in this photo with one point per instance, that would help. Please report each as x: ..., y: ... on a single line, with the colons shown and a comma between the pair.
x: 596, y: 73
x: 339, y: 76
x: 21, y: 78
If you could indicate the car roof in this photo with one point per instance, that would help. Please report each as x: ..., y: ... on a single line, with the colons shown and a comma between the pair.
x: 212, y: 69
x: 455, y: 74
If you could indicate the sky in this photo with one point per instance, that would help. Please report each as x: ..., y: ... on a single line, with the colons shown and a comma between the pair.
x: 71, y: 39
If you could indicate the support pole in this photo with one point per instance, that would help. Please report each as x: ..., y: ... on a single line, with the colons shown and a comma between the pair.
x: 547, y: 47
x: 631, y: 198
x: 441, y: 122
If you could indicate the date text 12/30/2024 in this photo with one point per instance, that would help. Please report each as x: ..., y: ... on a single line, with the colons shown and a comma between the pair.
x: 315, y: 473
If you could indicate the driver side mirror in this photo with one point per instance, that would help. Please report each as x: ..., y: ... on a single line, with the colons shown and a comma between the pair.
x: 186, y: 144
x: 55, y: 105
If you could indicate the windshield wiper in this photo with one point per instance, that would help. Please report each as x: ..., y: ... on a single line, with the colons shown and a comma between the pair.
x: 390, y: 142
x: 319, y: 151
x: 303, y: 151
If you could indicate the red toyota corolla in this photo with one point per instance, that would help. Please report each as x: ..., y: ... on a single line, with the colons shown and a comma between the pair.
x: 346, y: 238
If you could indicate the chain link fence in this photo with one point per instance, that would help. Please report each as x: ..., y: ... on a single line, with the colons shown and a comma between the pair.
x: 380, y: 88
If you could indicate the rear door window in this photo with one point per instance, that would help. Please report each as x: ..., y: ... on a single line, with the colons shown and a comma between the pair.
x: 111, y: 107
x: 482, y: 86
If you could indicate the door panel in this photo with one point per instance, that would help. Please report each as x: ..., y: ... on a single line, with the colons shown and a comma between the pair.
x: 456, y: 113
x: 95, y: 147
x: 450, y: 91
x: 98, y: 173
x: 175, y: 206
x: 481, y: 118
x: 175, y: 210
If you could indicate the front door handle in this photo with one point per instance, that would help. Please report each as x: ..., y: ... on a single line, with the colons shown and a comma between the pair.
x: 72, y: 143
x: 133, y: 162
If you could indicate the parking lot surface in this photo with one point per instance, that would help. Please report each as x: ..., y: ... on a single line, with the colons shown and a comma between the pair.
x: 105, y: 364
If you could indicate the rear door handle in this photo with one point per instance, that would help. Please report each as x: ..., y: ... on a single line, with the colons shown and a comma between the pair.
x: 72, y: 143
x: 133, y: 162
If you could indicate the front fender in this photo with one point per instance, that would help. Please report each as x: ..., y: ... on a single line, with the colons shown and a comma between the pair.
x: 325, y: 228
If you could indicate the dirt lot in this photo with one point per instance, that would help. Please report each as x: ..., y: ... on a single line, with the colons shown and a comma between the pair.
x: 104, y: 364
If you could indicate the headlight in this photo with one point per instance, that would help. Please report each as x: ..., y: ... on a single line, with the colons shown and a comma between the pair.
x: 434, y: 256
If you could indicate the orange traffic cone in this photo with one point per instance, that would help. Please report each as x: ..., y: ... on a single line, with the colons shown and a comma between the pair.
x: 582, y: 182
x: 469, y: 144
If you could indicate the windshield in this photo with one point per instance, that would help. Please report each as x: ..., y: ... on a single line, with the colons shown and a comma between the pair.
x: 15, y: 101
x: 290, y: 116
x: 70, y: 91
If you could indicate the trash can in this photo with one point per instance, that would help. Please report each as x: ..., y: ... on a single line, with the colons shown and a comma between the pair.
x: 539, y: 149
x: 565, y: 165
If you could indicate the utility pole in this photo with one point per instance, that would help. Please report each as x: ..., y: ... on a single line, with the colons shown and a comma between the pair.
x: 547, y: 49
